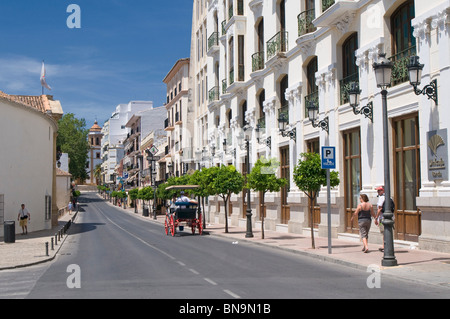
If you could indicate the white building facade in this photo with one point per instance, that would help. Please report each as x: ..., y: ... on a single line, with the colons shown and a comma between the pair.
x: 28, y: 130
x: 179, y: 123
x: 114, y: 132
x: 270, y: 60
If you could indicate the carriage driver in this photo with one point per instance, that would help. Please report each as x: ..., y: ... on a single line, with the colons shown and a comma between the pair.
x: 184, y: 199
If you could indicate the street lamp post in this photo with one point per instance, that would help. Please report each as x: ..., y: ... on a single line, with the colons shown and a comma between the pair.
x: 249, y: 232
x: 383, y: 71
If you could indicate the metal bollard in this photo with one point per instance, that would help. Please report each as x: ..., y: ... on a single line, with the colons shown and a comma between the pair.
x: 56, y: 239
x: 46, y: 248
x: 53, y: 247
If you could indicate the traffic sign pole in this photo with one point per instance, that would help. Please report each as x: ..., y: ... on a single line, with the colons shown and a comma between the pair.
x: 329, y: 162
x: 329, y: 210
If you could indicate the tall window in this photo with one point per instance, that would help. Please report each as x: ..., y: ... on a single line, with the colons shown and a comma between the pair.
x: 262, y: 117
x: 241, y: 49
x: 313, y: 146
x: 350, y: 69
x: 231, y: 55
x: 283, y: 15
x: 352, y: 176
x: 284, y: 166
x: 407, y: 177
x: 243, y: 111
x: 261, y: 35
x: 312, y: 93
x: 403, y: 41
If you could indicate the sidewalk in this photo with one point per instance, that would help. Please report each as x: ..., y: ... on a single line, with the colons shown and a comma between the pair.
x: 413, y: 264
x: 30, y: 249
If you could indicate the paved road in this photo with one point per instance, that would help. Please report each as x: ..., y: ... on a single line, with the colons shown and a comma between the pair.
x: 112, y: 254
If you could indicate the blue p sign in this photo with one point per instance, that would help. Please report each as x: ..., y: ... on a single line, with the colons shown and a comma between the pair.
x: 328, y: 157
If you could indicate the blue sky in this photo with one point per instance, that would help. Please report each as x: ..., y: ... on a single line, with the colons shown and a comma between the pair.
x: 121, y: 53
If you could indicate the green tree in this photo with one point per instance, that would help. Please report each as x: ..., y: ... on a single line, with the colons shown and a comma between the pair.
x: 309, y: 178
x: 204, y: 179
x: 133, y: 193
x: 146, y: 194
x: 73, y: 139
x: 263, y: 179
x: 226, y: 182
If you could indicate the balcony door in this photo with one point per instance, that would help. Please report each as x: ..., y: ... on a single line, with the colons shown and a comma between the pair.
x: 407, y: 177
x: 352, y: 177
x: 313, y: 146
x: 284, y: 165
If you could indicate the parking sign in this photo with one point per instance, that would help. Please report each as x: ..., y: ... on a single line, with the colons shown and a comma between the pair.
x: 328, y: 157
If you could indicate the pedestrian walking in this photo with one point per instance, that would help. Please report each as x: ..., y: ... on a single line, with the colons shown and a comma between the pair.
x: 380, y: 211
x: 70, y: 208
x: 379, y: 215
x: 365, y: 213
x: 23, y: 217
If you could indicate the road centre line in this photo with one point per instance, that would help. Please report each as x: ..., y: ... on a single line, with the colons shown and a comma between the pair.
x: 194, y: 271
x: 232, y: 294
x: 136, y: 237
x: 210, y: 281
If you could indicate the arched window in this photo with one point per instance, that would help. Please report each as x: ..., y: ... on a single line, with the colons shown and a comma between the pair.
x: 311, y: 87
x: 350, y: 69
x: 403, y: 41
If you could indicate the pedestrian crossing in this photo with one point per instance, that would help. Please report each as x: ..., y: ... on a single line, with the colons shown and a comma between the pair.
x: 18, y: 283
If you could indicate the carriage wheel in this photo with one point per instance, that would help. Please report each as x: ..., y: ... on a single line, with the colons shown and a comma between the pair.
x: 193, y: 225
x: 172, y: 226
x: 200, y: 227
x: 166, y: 225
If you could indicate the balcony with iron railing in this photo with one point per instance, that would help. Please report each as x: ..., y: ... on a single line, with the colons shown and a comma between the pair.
x: 283, y: 112
x: 213, y: 40
x: 305, y: 20
x: 400, y: 65
x: 258, y: 61
x: 312, y: 97
x: 277, y: 44
x: 213, y: 94
x: 168, y: 126
x: 344, y: 86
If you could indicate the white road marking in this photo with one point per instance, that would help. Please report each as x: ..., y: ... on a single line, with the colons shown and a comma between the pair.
x: 232, y: 294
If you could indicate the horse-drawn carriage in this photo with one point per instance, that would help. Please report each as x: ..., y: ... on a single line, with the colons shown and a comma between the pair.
x: 183, y: 212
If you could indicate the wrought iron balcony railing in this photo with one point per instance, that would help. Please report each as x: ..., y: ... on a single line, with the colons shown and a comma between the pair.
x: 305, y: 20
x: 400, y: 67
x: 213, y: 40
x: 277, y: 44
x: 344, y: 85
x: 258, y: 61
x: 213, y: 94
x: 313, y: 97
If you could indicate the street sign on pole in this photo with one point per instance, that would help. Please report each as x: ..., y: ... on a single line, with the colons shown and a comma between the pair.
x: 153, y: 150
x: 329, y: 162
x: 328, y: 157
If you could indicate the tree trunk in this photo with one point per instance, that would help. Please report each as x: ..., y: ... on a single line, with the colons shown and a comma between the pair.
x: 311, y: 214
x: 225, y: 200
x: 203, y: 213
x: 262, y: 216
